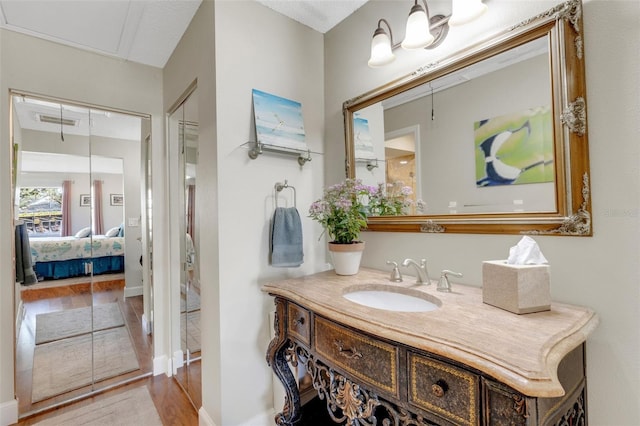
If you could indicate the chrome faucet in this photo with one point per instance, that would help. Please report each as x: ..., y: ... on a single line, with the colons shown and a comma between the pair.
x: 421, y: 269
x: 396, y: 276
x: 443, y: 283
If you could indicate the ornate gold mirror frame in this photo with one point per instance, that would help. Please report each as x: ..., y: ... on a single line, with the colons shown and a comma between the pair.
x: 562, y: 25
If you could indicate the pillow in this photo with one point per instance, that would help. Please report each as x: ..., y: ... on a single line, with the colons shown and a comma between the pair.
x: 84, y: 232
x: 113, y: 232
x: 121, y: 231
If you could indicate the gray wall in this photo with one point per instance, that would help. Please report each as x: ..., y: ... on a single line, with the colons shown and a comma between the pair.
x: 49, y: 69
x: 600, y: 272
x: 446, y: 149
x: 252, y: 47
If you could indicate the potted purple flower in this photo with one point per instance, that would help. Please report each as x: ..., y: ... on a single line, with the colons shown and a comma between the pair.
x: 343, y: 211
x: 343, y: 214
x: 391, y: 199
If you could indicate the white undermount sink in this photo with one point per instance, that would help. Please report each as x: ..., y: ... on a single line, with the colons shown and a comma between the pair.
x: 390, y: 299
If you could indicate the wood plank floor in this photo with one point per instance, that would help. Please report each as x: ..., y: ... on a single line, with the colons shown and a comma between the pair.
x: 56, y: 298
x: 171, y: 402
x: 190, y: 380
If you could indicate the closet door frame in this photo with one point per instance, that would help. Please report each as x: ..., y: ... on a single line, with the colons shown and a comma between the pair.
x: 146, y: 269
x: 179, y: 275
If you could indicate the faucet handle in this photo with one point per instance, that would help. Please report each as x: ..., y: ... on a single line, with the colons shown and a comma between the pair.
x: 443, y: 283
x: 396, y: 276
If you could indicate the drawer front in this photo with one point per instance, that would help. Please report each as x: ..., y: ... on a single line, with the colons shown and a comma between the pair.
x: 372, y: 361
x: 298, y: 325
x: 504, y: 406
x: 443, y: 389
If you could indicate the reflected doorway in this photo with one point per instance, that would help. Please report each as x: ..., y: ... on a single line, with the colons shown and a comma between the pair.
x: 400, y: 161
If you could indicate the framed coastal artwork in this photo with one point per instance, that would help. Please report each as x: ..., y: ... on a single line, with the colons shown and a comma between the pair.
x: 278, y: 121
x: 363, y: 143
x: 85, y: 200
x: 515, y: 148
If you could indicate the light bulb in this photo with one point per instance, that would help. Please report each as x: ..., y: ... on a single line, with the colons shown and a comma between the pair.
x: 417, y: 34
x: 381, y: 53
x: 464, y: 11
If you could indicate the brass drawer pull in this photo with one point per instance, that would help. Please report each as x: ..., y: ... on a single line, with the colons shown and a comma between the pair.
x: 439, y: 388
x: 350, y: 353
x: 299, y: 321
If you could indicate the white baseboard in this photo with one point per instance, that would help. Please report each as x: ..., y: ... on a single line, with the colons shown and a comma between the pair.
x: 133, y: 291
x: 178, y: 361
x: 146, y: 324
x: 204, y: 419
x: 264, y: 419
x: 9, y: 412
x: 161, y: 365
x: 20, y: 313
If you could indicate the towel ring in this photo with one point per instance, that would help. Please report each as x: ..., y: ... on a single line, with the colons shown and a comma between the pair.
x: 279, y: 186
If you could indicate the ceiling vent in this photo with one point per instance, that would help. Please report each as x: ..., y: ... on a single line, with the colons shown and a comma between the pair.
x: 57, y: 120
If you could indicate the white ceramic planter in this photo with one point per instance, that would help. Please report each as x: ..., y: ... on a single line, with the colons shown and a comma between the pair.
x: 346, y: 257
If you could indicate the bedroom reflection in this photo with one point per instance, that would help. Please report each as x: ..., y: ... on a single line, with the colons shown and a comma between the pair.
x: 183, y: 137
x: 78, y: 277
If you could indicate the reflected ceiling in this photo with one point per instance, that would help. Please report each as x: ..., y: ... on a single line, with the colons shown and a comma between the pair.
x: 44, y: 116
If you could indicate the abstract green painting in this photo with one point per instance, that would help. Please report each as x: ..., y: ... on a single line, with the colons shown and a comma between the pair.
x: 515, y: 148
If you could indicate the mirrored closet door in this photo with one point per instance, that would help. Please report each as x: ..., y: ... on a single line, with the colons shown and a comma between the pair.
x: 183, y: 141
x: 78, y: 209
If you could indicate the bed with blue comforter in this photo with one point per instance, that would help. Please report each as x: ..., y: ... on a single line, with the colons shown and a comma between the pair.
x: 64, y: 257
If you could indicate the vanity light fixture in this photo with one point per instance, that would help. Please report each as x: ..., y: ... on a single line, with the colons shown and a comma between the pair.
x: 422, y: 31
x: 418, y: 34
x: 381, y: 50
x: 463, y: 11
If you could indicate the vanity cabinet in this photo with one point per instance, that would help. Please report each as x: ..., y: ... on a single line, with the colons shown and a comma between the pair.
x: 375, y: 367
x: 364, y: 377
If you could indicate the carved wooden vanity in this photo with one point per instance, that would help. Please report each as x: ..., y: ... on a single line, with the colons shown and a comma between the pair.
x: 465, y: 363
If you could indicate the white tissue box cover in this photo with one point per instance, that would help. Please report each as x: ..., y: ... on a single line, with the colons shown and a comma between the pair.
x: 521, y: 289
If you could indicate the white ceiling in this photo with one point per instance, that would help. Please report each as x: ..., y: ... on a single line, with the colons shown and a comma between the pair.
x: 321, y: 15
x: 143, y: 31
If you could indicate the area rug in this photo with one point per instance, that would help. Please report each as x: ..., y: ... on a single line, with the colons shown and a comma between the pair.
x: 64, y: 365
x: 189, y: 303
x: 73, y: 322
x: 133, y: 407
x: 191, y: 339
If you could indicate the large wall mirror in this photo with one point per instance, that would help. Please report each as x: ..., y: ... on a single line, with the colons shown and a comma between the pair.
x: 185, y: 288
x: 83, y: 280
x: 491, y: 139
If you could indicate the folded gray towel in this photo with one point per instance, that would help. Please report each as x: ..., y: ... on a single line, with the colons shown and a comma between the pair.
x: 24, y: 264
x: 286, y: 238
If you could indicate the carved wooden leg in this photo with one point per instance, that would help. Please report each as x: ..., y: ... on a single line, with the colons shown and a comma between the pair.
x: 277, y: 359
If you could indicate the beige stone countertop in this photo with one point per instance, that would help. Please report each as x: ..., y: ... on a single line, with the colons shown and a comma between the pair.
x: 522, y: 351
